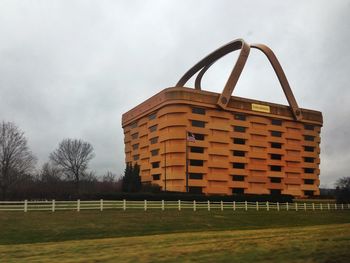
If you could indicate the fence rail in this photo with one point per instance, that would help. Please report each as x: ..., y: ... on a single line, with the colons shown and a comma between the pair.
x: 78, y: 205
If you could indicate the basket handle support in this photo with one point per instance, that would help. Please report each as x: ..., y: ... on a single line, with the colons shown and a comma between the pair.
x: 203, y: 65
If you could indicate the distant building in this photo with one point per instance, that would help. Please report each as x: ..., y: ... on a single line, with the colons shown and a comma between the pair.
x: 203, y: 142
x: 243, y: 149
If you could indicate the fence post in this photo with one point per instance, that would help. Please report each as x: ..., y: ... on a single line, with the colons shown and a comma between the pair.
x: 221, y: 206
x: 246, y: 205
x: 342, y: 206
x: 124, y: 204
x: 163, y: 206
x: 101, y: 205
x: 296, y: 206
x: 335, y: 206
x: 267, y: 206
x: 329, y: 207
x: 349, y: 206
x: 25, y: 205
x: 78, y: 205
x: 321, y: 206
x: 304, y: 206
x: 208, y: 205
x: 53, y: 205
x: 287, y: 205
x: 278, y: 206
x: 257, y: 206
x: 313, y: 206
x: 145, y: 205
x: 234, y: 205
x: 194, y: 205
x: 179, y: 205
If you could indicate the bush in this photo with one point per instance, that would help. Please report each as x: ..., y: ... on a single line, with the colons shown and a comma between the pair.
x: 174, y: 196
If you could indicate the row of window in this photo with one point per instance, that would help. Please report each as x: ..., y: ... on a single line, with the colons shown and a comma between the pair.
x: 240, y: 191
x: 240, y: 117
x: 241, y: 141
x: 273, y: 133
x: 273, y: 168
x: 239, y: 178
x: 196, y: 149
x: 275, y: 145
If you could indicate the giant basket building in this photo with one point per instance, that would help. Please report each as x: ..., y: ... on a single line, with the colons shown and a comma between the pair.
x: 241, y: 145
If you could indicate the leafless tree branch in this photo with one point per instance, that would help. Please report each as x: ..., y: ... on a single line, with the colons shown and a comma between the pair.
x: 15, y: 157
x: 73, y: 157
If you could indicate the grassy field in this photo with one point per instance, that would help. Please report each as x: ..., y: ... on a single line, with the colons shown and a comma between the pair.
x: 173, y: 236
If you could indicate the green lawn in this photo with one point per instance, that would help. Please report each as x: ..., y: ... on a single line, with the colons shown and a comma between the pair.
x: 117, y: 236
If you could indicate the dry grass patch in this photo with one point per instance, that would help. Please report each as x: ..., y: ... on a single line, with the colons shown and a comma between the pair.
x: 324, y: 243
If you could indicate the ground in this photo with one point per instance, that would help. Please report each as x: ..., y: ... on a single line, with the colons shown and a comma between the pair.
x: 175, y: 236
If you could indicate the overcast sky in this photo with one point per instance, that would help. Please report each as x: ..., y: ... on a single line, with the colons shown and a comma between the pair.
x: 69, y: 69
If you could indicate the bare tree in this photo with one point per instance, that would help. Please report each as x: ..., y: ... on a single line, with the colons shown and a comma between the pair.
x: 73, y: 157
x: 16, y: 160
x: 50, y: 173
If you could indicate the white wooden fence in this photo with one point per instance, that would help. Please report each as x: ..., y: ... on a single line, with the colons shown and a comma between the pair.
x: 53, y: 205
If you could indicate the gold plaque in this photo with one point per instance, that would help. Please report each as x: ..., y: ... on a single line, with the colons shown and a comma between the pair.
x: 259, y: 107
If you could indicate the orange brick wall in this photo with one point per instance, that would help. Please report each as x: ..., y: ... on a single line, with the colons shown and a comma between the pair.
x: 239, y: 151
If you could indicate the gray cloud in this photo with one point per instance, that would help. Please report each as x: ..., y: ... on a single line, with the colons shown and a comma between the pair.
x: 71, y: 68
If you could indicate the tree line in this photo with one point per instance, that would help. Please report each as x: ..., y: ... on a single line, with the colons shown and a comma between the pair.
x: 66, y: 175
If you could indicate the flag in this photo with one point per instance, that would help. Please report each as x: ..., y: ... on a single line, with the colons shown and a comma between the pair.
x: 190, y: 137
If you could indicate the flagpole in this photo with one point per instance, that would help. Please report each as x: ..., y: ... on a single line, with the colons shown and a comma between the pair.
x: 165, y: 166
x: 186, y: 139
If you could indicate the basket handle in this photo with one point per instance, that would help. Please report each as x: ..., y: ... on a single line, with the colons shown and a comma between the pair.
x: 203, y: 65
x: 282, y: 79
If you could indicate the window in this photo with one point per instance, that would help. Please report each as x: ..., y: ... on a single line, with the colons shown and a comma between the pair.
x: 276, y: 122
x: 196, y: 162
x: 194, y: 149
x: 156, y: 177
x: 198, y: 136
x: 309, y: 181
x: 195, y: 190
x: 238, y: 191
x: 275, y: 180
x: 275, y: 191
x: 200, y: 124
x: 309, y: 170
x: 276, y: 145
x: 198, y: 111
x: 276, y: 168
x: 135, y: 146
x: 195, y: 176
x: 309, y: 159
x: 153, y: 128
x: 309, y: 127
x: 276, y: 133
x: 309, y: 138
x: 238, y: 153
x: 309, y: 148
x: 276, y: 156
x: 308, y: 193
x: 134, y: 136
x: 133, y: 125
x: 136, y: 157
x: 152, y: 116
x: 238, y: 178
x: 238, y: 165
x: 153, y: 140
x: 238, y: 141
x: 239, y: 128
x: 155, y: 152
x: 155, y: 165
x: 240, y: 117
